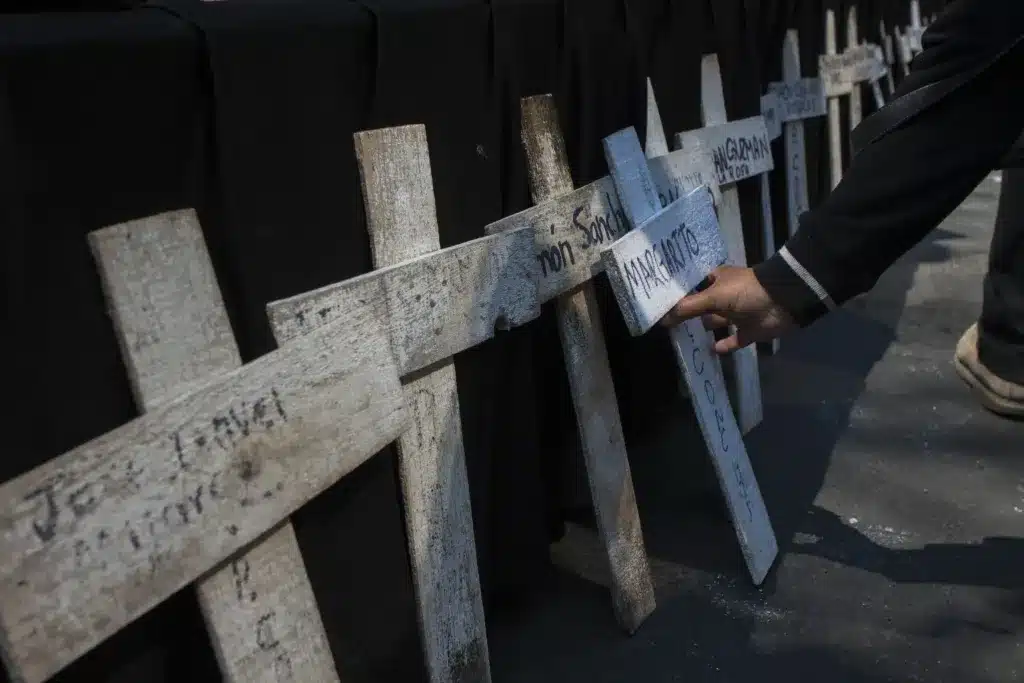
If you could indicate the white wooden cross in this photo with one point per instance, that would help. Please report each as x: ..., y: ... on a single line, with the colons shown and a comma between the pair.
x: 570, y: 229
x: 890, y: 58
x: 738, y: 150
x: 785, y: 105
x: 802, y: 98
x: 669, y: 253
x: 435, y: 303
x: 842, y: 75
x: 98, y: 536
x: 656, y: 146
x: 903, y: 50
x: 590, y: 378
x: 174, y: 332
x: 916, y: 29
x: 771, y: 112
x: 851, y: 44
x: 833, y: 91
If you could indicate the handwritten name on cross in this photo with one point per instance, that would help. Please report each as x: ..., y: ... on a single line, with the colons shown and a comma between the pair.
x: 800, y: 99
x: 671, y: 250
x: 839, y: 73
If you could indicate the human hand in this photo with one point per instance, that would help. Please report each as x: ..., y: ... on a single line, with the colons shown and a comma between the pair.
x: 733, y: 297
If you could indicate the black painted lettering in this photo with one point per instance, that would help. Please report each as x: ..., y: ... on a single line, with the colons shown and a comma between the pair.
x: 633, y: 278
x: 556, y: 259
x: 184, y: 461
x: 617, y: 212
x: 692, y: 245
x: 45, y: 528
x: 709, y: 391
x: 720, y: 162
x: 240, y: 572
x: 674, y: 256
x: 265, y: 637
x: 585, y: 244
x: 720, y: 419
x: 640, y: 275
x: 542, y: 260
x: 741, y: 482
x: 659, y: 257
x: 652, y: 267
x: 565, y: 251
x: 82, y: 501
x: 81, y: 553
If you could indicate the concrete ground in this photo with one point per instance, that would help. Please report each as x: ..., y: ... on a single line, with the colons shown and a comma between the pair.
x: 897, y: 501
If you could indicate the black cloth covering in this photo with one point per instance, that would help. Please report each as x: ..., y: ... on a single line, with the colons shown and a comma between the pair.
x: 245, y: 109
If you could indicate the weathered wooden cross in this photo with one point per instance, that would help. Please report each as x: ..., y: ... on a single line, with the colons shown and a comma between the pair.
x: 259, y: 608
x: 771, y: 112
x: 852, y: 44
x: 199, y: 488
x: 434, y: 303
x: 903, y: 50
x: 568, y: 227
x: 800, y: 98
x: 671, y: 251
x: 890, y: 58
x: 738, y: 150
x: 916, y: 28
x: 842, y: 75
x: 835, y: 140
x: 786, y: 104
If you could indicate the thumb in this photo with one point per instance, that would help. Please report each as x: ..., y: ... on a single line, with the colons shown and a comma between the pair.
x: 691, y: 306
x: 694, y: 305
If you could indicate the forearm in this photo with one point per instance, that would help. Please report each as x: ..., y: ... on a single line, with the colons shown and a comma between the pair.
x: 895, y: 191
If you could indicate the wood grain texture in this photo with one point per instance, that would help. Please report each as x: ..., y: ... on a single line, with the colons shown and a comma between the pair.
x: 174, y: 332
x: 593, y: 393
x: 778, y: 97
x: 876, y: 92
x: 768, y: 231
x: 435, y: 304
x: 851, y: 43
x: 916, y: 28
x: 797, y: 201
x: 655, y: 151
x: 903, y: 50
x: 96, y: 537
x: 394, y: 165
x: 703, y: 374
x: 858, y: 63
x: 738, y: 149
x: 570, y: 231
x: 634, y: 183
x: 730, y: 221
x: 835, y: 140
x: 890, y: 57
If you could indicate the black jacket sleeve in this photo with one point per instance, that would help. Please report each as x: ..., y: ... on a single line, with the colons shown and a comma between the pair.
x: 904, y: 183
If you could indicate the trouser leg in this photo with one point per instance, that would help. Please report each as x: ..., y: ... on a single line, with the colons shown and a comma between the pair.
x: 1001, y: 328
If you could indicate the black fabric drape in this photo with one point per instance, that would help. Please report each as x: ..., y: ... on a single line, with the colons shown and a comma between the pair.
x: 102, y: 122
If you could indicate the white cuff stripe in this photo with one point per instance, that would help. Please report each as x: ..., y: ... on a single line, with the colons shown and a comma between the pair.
x: 808, y: 279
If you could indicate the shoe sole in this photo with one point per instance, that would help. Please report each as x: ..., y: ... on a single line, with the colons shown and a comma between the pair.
x: 988, y: 398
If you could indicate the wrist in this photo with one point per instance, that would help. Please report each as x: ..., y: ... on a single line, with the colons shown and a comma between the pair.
x: 792, y: 289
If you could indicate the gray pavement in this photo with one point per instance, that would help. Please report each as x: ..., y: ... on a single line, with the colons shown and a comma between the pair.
x: 897, y: 500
